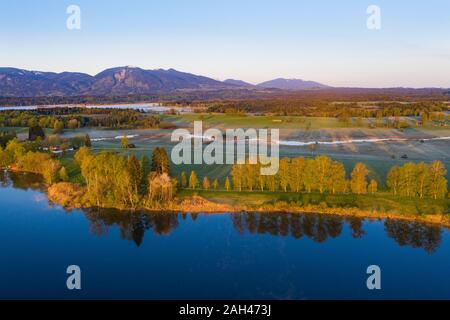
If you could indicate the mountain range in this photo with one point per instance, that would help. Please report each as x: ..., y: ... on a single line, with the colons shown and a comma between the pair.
x: 125, y: 81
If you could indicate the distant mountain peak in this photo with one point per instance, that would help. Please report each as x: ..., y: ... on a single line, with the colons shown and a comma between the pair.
x: 292, y: 84
x: 238, y: 83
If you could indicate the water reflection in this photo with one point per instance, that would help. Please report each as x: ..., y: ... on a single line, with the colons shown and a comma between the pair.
x: 414, y: 234
x: 132, y: 225
x: 22, y: 181
x: 319, y: 228
x: 316, y: 227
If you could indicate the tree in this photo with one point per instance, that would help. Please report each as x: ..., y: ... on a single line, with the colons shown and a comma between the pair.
x: 193, y: 180
x: 227, y: 184
x: 36, y: 132
x: 108, y: 181
x: 393, y: 180
x: 250, y: 176
x: 5, y: 159
x: 161, y: 187
x: 160, y: 161
x: 124, y: 142
x: 422, y: 179
x: 145, y: 167
x: 439, y: 184
x: 50, y: 171
x: 309, y: 177
x: 296, y: 172
x: 373, y: 186
x: 135, y: 176
x: 272, y: 182
x: 206, y: 184
x: 77, y: 141
x: 87, y: 141
x: 336, y: 178
x: 425, y: 117
x: 323, y: 164
x: 63, y: 176
x: 237, y: 173
x: 73, y: 124
x: 359, y: 182
x: 408, y: 179
x: 15, y: 150
x: 283, y: 173
x: 58, y: 127
x: 215, y: 184
x: 6, y: 136
x: 82, y: 154
x: 183, y: 180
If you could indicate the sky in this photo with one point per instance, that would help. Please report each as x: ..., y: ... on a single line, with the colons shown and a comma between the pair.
x: 252, y: 40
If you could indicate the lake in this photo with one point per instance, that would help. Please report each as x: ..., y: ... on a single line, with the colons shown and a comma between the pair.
x: 197, y: 256
x: 145, y: 107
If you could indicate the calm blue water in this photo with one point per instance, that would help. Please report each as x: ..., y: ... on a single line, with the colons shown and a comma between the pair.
x: 245, y: 256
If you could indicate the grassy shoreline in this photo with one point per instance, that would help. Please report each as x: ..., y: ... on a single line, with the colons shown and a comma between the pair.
x: 70, y: 196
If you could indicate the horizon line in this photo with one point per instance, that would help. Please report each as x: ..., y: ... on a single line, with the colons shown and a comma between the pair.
x: 234, y: 79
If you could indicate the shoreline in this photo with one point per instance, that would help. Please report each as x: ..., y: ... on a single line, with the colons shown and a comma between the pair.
x: 201, y: 205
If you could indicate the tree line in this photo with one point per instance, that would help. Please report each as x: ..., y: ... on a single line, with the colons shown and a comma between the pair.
x: 325, y: 175
x: 72, y: 118
x: 322, y: 108
x: 419, y: 180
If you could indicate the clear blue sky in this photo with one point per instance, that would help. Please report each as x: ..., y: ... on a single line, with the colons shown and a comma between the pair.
x: 252, y: 40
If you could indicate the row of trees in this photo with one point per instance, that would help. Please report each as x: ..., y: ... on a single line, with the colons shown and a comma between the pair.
x: 321, y: 174
x: 323, y: 108
x: 324, y: 175
x: 73, y: 118
x: 419, y: 180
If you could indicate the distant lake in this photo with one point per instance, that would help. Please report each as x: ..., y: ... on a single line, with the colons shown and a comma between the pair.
x: 223, y: 256
x: 147, y: 107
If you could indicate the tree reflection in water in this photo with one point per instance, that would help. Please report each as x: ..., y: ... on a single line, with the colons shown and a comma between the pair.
x: 317, y: 227
x: 21, y: 180
x: 132, y: 225
x: 414, y: 234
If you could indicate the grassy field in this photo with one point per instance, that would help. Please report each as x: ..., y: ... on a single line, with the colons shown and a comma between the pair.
x: 378, y: 157
x: 252, y: 121
x: 220, y: 120
x: 379, y: 202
